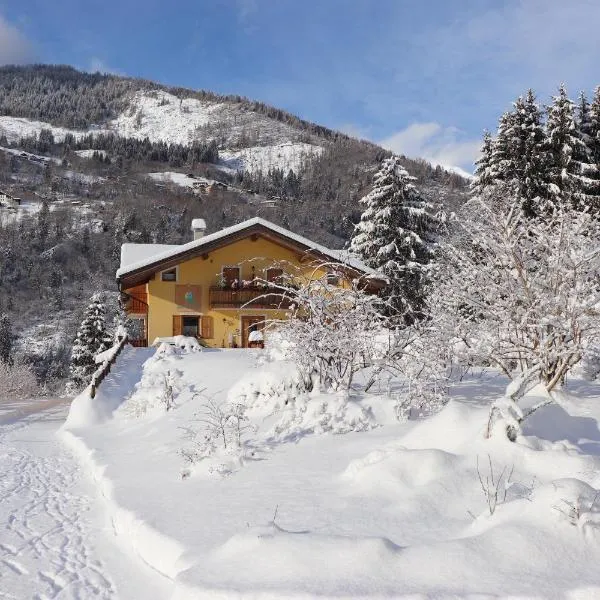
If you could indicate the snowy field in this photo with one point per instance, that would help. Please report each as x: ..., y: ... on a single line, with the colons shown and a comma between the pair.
x: 329, y: 496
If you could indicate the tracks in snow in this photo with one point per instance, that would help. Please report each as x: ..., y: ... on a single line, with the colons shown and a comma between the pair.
x: 45, y: 551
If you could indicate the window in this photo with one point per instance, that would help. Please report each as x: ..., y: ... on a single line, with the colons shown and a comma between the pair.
x: 333, y: 278
x: 170, y: 275
x: 189, y: 326
x: 230, y: 276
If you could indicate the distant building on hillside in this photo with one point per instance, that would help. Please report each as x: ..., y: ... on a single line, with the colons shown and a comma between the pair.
x: 222, y: 287
x: 8, y: 201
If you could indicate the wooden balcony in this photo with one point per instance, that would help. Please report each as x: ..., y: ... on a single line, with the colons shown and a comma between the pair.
x: 248, y: 298
x: 137, y: 305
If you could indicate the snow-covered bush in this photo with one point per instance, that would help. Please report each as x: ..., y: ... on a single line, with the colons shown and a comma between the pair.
x: 518, y: 293
x: 336, y: 413
x: 17, y: 382
x: 271, y: 387
x: 331, y: 331
x: 217, y: 431
x: 157, y: 390
x: 183, y: 342
x: 425, y: 369
x: 590, y: 364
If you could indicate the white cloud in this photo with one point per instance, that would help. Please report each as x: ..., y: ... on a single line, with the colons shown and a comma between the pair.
x: 354, y: 130
x: 515, y: 45
x: 15, y: 48
x: 444, y: 146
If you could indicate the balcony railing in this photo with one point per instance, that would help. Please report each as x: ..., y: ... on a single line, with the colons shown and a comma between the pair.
x: 137, y: 305
x: 252, y: 297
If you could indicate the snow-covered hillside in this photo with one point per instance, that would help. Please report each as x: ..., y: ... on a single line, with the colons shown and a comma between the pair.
x: 248, y: 140
x: 328, y: 495
x: 159, y: 116
x: 284, y: 156
x: 15, y: 128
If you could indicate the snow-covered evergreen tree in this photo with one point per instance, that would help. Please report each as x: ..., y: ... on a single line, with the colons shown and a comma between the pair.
x: 483, y: 166
x: 502, y: 164
x: 585, y: 155
x: 6, y: 339
x: 92, y: 338
x: 570, y: 164
x: 515, y: 159
x: 528, y: 153
x: 594, y: 131
x: 395, y: 235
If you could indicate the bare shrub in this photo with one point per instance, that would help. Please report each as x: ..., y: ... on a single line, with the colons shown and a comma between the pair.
x: 494, y: 486
x: 17, y: 382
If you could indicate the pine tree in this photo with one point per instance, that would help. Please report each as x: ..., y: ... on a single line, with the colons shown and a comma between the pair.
x: 43, y: 223
x: 502, y: 164
x: 594, y: 131
x: 585, y: 155
x: 528, y: 153
x: 395, y: 236
x: 483, y: 166
x: 567, y: 153
x: 515, y: 159
x: 6, y: 339
x: 92, y: 338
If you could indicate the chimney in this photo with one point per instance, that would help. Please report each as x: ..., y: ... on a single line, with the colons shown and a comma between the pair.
x: 199, y: 228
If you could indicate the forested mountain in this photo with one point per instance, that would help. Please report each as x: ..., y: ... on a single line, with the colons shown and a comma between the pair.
x: 100, y: 159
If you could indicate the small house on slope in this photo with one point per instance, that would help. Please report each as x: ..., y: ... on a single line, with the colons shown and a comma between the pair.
x: 222, y: 286
x: 8, y: 201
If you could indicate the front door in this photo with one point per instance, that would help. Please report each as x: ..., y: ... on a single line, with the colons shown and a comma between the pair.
x: 251, y: 324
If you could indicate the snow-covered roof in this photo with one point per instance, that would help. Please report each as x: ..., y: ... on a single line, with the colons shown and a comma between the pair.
x: 135, y: 253
x: 138, y: 256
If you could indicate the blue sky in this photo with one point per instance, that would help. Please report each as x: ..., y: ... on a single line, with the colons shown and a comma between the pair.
x: 423, y: 78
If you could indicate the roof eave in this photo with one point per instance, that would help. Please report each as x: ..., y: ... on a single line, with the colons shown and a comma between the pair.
x: 144, y: 273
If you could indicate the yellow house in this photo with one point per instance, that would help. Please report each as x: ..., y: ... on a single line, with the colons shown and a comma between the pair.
x: 216, y: 287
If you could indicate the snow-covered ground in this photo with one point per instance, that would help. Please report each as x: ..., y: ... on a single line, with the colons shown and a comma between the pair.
x: 180, y: 179
x: 26, y: 209
x: 90, y: 153
x: 329, y: 496
x: 56, y: 538
x: 285, y: 156
x: 29, y: 155
x: 15, y: 128
x: 159, y: 115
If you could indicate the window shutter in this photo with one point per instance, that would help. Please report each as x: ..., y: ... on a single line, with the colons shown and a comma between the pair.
x: 207, y: 329
x: 231, y: 274
x: 177, y: 325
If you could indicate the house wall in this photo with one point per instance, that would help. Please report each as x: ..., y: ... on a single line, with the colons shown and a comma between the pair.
x: 205, y: 272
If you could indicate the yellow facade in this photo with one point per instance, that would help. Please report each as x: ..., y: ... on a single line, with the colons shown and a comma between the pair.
x: 253, y: 255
